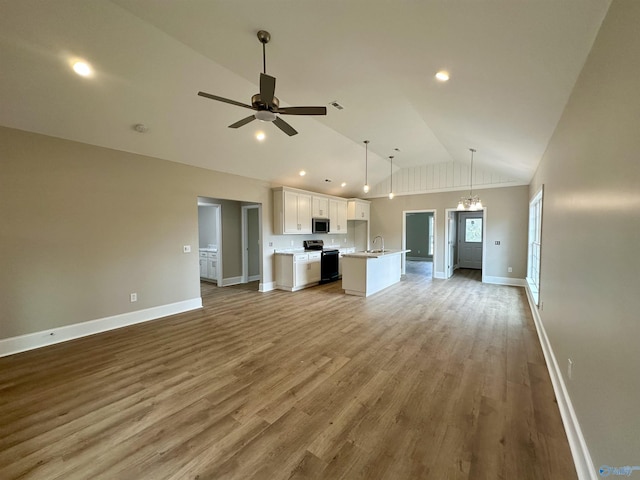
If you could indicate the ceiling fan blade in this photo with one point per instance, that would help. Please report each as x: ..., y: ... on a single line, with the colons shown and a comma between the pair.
x: 267, y: 89
x: 242, y: 122
x: 225, y: 100
x: 285, y: 127
x: 302, y: 110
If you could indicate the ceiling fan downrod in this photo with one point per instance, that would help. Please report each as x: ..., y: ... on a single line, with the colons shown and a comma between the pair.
x: 264, y: 38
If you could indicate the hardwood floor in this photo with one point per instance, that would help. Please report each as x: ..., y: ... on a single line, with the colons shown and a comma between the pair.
x: 430, y: 379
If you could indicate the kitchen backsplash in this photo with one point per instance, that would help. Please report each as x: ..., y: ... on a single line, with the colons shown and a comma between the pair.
x: 283, y: 242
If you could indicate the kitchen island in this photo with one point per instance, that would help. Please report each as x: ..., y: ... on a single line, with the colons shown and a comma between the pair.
x: 366, y: 273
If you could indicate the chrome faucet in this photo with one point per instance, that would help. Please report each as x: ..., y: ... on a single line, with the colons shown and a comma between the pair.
x: 381, y: 240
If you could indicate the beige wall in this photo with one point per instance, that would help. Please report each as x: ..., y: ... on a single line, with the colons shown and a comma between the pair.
x: 590, y: 240
x: 83, y: 226
x: 506, y: 220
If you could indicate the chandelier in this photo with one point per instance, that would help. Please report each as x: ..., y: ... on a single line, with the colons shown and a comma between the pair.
x: 472, y: 202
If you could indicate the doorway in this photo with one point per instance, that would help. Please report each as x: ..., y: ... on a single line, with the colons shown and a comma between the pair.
x: 210, y: 240
x: 251, y: 242
x: 465, y: 234
x: 419, y: 236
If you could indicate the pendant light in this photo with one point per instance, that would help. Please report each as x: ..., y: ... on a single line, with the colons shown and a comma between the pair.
x: 472, y: 202
x: 391, y: 179
x: 366, y: 167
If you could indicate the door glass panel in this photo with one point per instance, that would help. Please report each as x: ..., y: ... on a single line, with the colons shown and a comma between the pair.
x: 473, y: 230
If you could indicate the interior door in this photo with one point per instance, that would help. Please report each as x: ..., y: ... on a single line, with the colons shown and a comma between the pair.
x: 470, y: 225
x: 452, y: 261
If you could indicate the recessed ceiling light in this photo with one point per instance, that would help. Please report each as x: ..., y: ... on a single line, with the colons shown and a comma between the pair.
x: 302, y: 173
x: 343, y: 184
x: 260, y: 136
x: 82, y: 68
x: 442, y: 75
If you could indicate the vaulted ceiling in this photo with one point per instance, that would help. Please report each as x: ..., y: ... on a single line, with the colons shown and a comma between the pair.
x: 512, y: 65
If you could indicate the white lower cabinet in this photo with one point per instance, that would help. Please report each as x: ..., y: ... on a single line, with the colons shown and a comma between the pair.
x: 209, y: 265
x: 203, y: 265
x: 298, y: 270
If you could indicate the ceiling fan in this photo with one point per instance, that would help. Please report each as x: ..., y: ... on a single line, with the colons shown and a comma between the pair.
x: 266, y: 105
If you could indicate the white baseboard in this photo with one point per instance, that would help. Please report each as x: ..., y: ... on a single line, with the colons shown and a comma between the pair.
x: 253, y: 278
x: 22, y: 343
x: 231, y: 281
x: 577, y: 443
x: 514, y: 282
x: 440, y: 275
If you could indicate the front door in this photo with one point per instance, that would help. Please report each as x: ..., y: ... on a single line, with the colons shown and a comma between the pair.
x: 470, y: 240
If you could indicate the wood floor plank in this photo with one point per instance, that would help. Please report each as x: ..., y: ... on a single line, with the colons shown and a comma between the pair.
x: 430, y: 379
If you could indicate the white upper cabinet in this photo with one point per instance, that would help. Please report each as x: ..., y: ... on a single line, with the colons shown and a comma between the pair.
x: 320, y: 207
x: 358, y: 209
x: 292, y: 211
x: 338, y: 216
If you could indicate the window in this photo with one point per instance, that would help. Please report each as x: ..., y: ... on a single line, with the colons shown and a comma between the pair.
x: 473, y: 230
x: 535, y: 242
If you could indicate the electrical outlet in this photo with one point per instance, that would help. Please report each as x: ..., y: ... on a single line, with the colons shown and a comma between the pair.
x: 271, y: 244
x: 510, y: 270
x: 134, y: 297
x: 186, y: 249
x: 497, y: 242
x: 569, y: 368
x: 292, y: 243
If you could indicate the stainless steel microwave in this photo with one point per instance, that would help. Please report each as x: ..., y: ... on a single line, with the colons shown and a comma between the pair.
x: 320, y: 225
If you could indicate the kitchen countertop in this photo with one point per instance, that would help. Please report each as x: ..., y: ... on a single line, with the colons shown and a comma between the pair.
x: 375, y: 254
x: 294, y: 251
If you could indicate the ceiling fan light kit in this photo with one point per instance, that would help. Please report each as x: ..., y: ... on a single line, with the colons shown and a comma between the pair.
x: 472, y: 202
x: 265, y: 103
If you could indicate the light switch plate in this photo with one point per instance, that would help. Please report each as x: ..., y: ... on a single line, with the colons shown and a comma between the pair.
x: 186, y: 249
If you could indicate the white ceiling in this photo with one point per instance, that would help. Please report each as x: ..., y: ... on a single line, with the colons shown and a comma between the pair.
x: 513, y: 64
